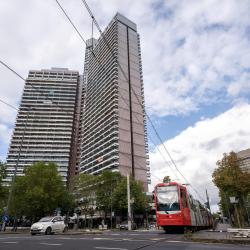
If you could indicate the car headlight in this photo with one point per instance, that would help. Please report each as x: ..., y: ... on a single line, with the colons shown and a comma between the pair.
x: 37, y: 227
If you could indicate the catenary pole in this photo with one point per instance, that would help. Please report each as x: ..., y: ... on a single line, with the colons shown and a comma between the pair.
x: 129, y: 205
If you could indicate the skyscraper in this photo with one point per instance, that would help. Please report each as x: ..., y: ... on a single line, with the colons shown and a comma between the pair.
x: 114, y: 128
x: 45, y: 124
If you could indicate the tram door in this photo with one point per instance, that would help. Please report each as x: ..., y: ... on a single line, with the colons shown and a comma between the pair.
x: 185, y: 208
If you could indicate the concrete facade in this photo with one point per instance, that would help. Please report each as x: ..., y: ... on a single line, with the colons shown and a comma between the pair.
x: 45, y: 122
x: 114, y: 129
x: 244, y: 159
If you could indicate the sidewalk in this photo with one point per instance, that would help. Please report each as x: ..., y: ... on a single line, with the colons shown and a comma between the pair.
x: 222, y: 227
x: 219, y: 235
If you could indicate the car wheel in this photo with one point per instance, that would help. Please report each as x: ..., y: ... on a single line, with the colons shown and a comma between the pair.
x: 48, y: 231
x: 33, y: 234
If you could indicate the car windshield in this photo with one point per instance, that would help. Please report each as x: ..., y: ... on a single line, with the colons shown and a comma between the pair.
x: 46, y: 219
x: 167, y: 199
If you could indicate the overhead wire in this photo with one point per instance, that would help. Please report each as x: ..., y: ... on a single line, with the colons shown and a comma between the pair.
x: 141, y: 104
x: 94, y: 20
x: 32, y: 86
x: 102, y: 66
x: 11, y: 106
x: 8, y: 104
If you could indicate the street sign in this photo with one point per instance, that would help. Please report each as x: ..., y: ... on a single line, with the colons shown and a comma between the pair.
x: 233, y: 199
x: 5, y: 218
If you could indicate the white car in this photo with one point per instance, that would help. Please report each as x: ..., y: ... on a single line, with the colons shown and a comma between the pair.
x: 48, y: 225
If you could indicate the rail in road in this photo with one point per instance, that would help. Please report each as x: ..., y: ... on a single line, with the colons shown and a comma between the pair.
x: 112, y: 241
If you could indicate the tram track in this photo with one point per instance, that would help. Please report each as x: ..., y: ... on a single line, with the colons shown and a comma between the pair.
x: 157, y: 242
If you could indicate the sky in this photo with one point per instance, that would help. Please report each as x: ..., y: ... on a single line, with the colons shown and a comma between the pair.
x: 196, y: 67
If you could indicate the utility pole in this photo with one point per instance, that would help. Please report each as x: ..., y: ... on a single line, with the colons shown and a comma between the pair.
x: 129, y: 206
x: 111, y: 208
x: 208, y: 203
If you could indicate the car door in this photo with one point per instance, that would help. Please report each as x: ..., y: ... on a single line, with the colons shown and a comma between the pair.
x: 56, y: 224
x: 61, y: 224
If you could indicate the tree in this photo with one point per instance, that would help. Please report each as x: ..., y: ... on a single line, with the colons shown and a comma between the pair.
x: 231, y: 181
x: 86, y: 189
x: 107, y: 182
x: 166, y: 179
x: 39, y: 192
x: 3, y: 189
x: 136, y: 193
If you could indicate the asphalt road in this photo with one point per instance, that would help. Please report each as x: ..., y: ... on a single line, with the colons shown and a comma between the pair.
x: 108, y: 241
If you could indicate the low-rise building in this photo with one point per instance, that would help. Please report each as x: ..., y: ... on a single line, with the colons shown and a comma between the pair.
x: 244, y: 159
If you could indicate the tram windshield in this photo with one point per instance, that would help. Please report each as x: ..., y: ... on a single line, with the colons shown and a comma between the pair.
x: 167, y: 199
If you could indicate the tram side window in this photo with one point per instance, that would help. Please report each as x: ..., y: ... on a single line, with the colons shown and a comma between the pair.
x: 191, y: 202
x: 184, y: 198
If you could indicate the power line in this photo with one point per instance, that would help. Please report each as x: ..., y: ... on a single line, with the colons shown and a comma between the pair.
x: 71, y: 22
x: 13, y: 71
x: 141, y: 104
x: 163, y: 157
x: 100, y: 64
x: 13, y: 107
x: 35, y: 88
x: 106, y: 42
x: 94, y: 55
x: 104, y: 38
x: 8, y: 104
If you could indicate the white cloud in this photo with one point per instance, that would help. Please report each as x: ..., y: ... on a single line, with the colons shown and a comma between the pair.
x: 196, y: 149
x: 198, y: 47
x: 185, y: 56
x: 5, y: 134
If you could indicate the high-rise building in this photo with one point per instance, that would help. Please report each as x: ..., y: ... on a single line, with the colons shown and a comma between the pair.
x: 80, y: 108
x: 114, y: 129
x: 46, y: 122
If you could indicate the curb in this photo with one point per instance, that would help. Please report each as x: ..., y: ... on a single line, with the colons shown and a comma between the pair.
x: 66, y: 233
x: 222, y: 241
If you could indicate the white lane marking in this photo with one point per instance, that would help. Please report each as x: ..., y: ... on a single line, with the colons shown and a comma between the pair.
x: 51, y: 244
x: 103, y: 238
x: 65, y: 238
x: 174, y: 241
x: 26, y: 237
x: 134, y: 240
x: 111, y: 248
x: 115, y: 234
x: 10, y: 242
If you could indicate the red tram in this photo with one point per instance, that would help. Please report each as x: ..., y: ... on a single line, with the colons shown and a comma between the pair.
x: 176, y: 208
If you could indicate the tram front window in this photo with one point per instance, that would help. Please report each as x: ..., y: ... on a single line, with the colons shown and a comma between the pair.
x: 167, y: 199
